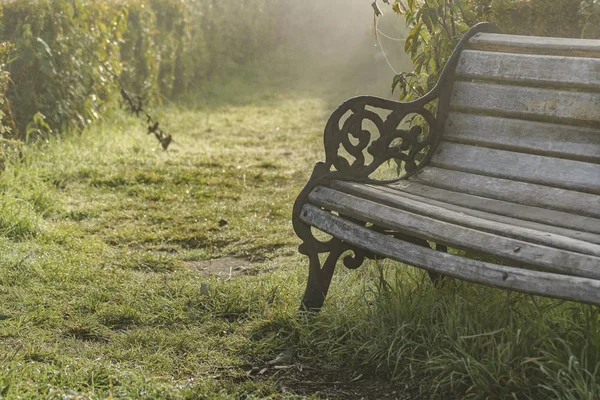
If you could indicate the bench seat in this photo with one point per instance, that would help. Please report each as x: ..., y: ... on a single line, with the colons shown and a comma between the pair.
x: 507, y: 168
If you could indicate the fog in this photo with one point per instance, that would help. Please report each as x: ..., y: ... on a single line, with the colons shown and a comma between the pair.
x: 333, y: 44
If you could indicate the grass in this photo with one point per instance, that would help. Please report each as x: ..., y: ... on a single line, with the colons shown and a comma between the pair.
x: 99, y: 296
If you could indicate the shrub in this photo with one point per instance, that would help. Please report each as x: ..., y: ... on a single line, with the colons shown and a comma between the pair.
x: 55, y: 43
x: 69, y: 56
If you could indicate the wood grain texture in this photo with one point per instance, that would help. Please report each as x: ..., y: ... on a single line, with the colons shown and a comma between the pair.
x: 549, y: 171
x: 501, y: 207
x: 536, y: 45
x: 367, y: 191
x: 426, y: 208
x: 528, y: 69
x: 547, y: 105
x: 518, y: 192
x: 553, y: 140
x: 536, y: 282
x: 519, y: 251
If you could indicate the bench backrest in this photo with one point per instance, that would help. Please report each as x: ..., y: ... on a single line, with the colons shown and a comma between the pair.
x: 523, y: 123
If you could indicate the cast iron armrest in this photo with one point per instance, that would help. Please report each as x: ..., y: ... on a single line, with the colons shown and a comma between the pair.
x: 369, y: 138
x: 388, y: 136
x: 345, y: 130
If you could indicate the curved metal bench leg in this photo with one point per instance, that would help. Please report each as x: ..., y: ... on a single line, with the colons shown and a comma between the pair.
x: 319, y: 278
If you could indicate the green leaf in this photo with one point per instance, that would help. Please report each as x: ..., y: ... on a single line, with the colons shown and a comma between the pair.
x: 397, y: 79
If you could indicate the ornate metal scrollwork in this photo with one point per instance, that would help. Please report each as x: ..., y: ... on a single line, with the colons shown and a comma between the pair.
x: 367, y: 132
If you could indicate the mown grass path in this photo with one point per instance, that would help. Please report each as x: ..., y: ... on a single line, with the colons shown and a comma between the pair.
x: 100, y: 295
x: 101, y: 231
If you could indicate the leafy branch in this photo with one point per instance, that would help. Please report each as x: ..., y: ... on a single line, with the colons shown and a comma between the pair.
x: 436, y: 26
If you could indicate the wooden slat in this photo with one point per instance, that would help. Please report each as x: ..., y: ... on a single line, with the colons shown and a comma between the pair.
x: 423, y: 207
x: 536, y: 282
x: 368, y: 191
x: 555, y: 172
x: 535, y: 70
x: 575, y: 143
x: 547, y: 105
x: 535, y: 45
x: 500, y: 207
x: 548, y: 258
x: 514, y: 191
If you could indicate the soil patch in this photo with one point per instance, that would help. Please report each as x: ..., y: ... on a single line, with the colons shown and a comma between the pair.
x: 224, y: 267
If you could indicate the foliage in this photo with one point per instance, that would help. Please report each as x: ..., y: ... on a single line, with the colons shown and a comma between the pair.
x: 437, y: 25
x: 57, y: 43
x: 5, y: 126
x: 70, y: 56
x: 589, y: 12
x: 6, y: 146
x: 538, y: 17
x: 138, y: 52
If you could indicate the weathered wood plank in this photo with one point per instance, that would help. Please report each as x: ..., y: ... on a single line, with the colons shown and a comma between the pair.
x: 423, y: 207
x: 500, y: 207
x: 554, y: 140
x: 457, y: 236
x: 536, y: 45
x: 513, y: 191
x: 555, y: 172
x: 536, y: 282
x: 527, y: 69
x: 373, y: 192
x: 546, y: 105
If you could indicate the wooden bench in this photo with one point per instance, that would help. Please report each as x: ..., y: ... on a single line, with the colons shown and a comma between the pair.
x: 508, y: 167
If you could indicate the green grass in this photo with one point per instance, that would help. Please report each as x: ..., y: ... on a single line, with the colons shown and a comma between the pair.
x: 99, y: 297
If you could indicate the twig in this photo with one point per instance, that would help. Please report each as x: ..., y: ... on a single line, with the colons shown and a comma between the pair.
x: 136, y: 107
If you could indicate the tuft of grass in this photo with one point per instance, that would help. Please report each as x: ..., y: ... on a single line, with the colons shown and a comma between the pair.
x: 463, y: 341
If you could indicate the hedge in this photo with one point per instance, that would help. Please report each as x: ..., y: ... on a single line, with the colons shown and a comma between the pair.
x: 67, y: 58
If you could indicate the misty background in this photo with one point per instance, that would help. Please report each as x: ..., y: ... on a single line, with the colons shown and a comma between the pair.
x: 332, y: 44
